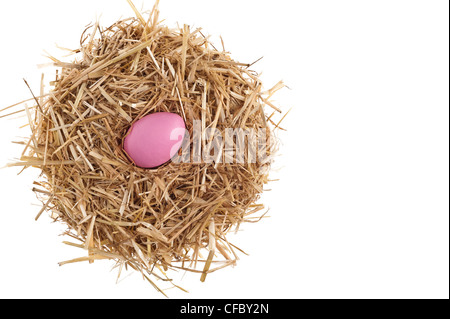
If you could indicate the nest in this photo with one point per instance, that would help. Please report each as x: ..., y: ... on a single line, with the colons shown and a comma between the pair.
x: 175, y: 216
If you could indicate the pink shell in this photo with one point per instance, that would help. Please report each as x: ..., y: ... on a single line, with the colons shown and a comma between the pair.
x: 154, y: 139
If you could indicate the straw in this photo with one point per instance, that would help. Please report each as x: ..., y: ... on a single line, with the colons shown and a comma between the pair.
x: 151, y: 220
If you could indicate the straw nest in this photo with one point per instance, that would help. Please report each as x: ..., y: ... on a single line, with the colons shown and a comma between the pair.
x: 175, y: 216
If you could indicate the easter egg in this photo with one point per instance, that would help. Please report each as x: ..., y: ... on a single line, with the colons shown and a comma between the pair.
x: 154, y: 139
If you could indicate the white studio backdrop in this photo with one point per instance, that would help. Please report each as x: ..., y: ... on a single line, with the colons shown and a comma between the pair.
x: 361, y: 206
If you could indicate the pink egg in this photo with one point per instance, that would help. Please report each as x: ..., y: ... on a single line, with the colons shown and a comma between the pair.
x: 154, y: 139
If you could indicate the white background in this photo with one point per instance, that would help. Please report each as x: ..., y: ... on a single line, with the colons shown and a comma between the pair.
x: 361, y: 208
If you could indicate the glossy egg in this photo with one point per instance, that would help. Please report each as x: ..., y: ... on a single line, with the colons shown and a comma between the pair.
x: 154, y: 139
